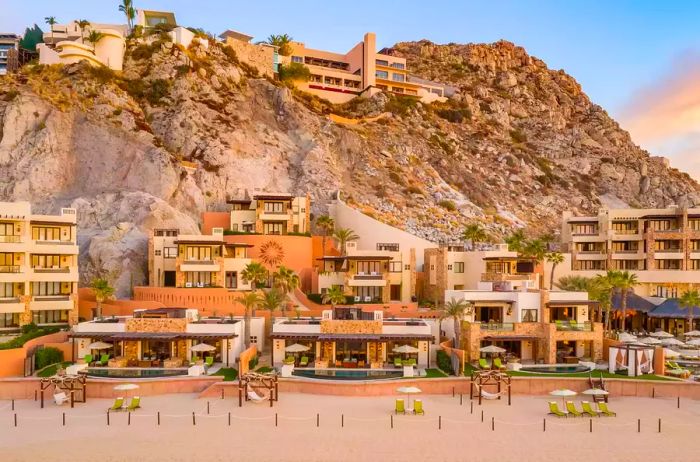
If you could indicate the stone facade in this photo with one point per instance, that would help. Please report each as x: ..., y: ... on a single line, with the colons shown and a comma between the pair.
x: 259, y: 57
x: 156, y: 325
x: 335, y: 326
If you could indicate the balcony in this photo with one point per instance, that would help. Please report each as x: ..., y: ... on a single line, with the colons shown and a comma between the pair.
x: 51, y: 302
x: 368, y: 280
x: 274, y: 216
x: 669, y: 254
x: 573, y: 326
x: 10, y: 269
x: 57, y: 247
x: 10, y: 239
x: 501, y: 277
x: 626, y: 235
x: 591, y: 255
x: 53, y: 269
x: 498, y: 326
x: 11, y: 305
x: 206, y: 266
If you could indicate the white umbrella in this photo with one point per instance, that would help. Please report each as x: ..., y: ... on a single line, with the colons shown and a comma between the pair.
x: 405, y: 349
x: 202, y: 347
x: 594, y: 392
x: 694, y: 342
x: 409, y: 391
x: 626, y: 338
x: 126, y: 387
x: 492, y: 349
x: 296, y: 348
x: 649, y: 341
x: 668, y: 353
x: 564, y: 393
x: 660, y: 334
x: 671, y: 341
x: 99, y: 346
x: 693, y: 333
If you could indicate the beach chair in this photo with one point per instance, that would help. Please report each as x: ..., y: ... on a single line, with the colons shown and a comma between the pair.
x: 410, y: 362
x: 554, y: 410
x: 60, y: 398
x: 208, y: 361
x: 304, y: 361
x: 587, y: 409
x: 398, y: 362
x: 134, y: 404
x: 418, y: 407
x: 289, y: 360
x: 604, y: 409
x: 118, y: 404
x: 87, y: 359
x: 400, y: 408
x: 104, y: 359
x: 498, y: 364
x: 572, y: 409
x: 559, y: 324
x: 483, y: 364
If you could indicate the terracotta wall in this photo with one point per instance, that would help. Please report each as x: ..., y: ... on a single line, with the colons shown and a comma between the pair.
x: 212, y: 220
x: 156, y: 325
x: 86, y: 302
x: 12, y: 361
x: 209, y: 301
x: 245, y: 358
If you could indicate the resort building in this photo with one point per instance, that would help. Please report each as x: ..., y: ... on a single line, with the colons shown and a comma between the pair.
x: 67, y: 44
x: 8, y: 42
x: 193, y: 260
x: 348, y: 337
x: 149, y: 18
x: 340, y: 77
x: 38, y: 267
x: 532, y: 325
x: 451, y: 267
x: 384, y: 275
x: 661, y: 246
x: 261, y: 56
x: 160, y: 338
x: 271, y: 213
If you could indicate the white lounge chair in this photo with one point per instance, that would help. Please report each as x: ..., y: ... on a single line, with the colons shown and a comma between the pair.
x: 368, y: 299
x: 61, y: 398
x: 254, y: 397
x: 357, y: 299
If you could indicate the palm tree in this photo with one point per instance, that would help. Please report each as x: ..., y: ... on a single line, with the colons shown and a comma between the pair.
x: 50, y: 20
x: 271, y: 300
x: 255, y: 273
x: 282, y: 41
x: 600, y: 290
x: 689, y: 301
x: 624, y: 281
x: 474, y: 233
x: 326, y: 224
x: 82, y: 24
x: 555, y: 258
x: 334, y: 296
x: 103, y: 291
x: 516, y: 241
x: 127, y: 8
x: 285, y: 280
x: 343, y: 236
x: 455, y: 310
x: 249, y: 302
x: 574, y: 283
x: 94, y: 37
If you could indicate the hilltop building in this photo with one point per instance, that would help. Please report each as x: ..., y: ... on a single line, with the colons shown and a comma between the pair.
x: 67, y: 44
x: 8, y: 42
x: 271, y: 213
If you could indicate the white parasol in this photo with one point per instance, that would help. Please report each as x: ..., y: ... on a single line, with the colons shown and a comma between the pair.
x: 405, y: 349
x: 660, y: 334
x: 202, y: 347
x: 594, y: 392
x: 649, y: 341
x: 694, y: 342
x: 563, y: 393
x: 409, y: 391
x: 692, y: 333
x: 624, y: 337
x: 668, y: 353
x: 493, y: 349
x: 126, y: 387
x: 99, y: 346
x: 296, y: 348
x: 671, y: 342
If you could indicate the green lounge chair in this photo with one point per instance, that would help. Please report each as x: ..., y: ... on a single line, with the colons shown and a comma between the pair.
x: 572, y: 409
x: 118, y: 404
x: 573, y: 324
x: 554, y: 410
x: 289, y: 360
x: 587, y: 409
x: 398, y: 362
x: 304, y: 361
x: 88, y: 359
x: 483, y: 364
x: 409, y: 362
x: 418, y: 407
x: 603, y: 406
x: 209, y: 361
x: 560, y: 325
x: 498, y: 364
x: 104, y: 359
x: 400, y: 408
x: 134, y: 404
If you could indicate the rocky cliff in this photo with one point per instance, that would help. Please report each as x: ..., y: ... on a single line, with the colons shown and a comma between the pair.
x: 180, y: 131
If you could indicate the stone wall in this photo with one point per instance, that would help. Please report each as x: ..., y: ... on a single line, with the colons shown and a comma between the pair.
x: 156, y: 325
x: 257, y: 56
x: 351, y: 327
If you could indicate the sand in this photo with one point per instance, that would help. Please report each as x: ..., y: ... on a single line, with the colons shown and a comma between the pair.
x: 366, y: 435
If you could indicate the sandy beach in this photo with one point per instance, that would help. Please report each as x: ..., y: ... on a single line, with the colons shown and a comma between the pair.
x: 365, y: 434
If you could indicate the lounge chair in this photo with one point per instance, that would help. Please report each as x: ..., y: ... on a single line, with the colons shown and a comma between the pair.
x: 304, y: 361
x: 60, y: 398
x: 554, y: 410
x: 498, y: 364
x: 410, y: 362
x: 208, y: 361
x: 483, y: 364
x: 587, y: 409
x: 134, y: 404
x: 104, y: 359
x: 87, y: 359
x: 400, y: 408
x: 398, y: 362
x: 572, y: 409
x: 418, y: 407
x: 118, y: 404
x: 603, y: 407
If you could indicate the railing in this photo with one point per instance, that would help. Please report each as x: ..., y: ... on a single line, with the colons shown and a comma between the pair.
x: 275, y: 212
x: 42, y: 242
x: 51, y: 298
x: 574, y: 326
x: 58, y: 269
x: 368, y: 276
x: 590, y: 252
x: 9, y: 299
x: 626, y: 251
x: 668, y: 250
x: 11, y: 239
x: 199, y: 262
x: 10, y: 269
x: 504, y: 326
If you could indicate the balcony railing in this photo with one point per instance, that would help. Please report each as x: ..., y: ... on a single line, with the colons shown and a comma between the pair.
x: 626, y: 251
x: 574, y: 326
x: 9, y: 269
x: 11, y: 239
x: 54, y: 269
x: 199, y: 262
x: 668, y: 250
x: 57, y: 242
x: 368, y: 276
x: 503, y: 326
x: 51, y: 298
x: 275, y: 212
x: 9, y: 299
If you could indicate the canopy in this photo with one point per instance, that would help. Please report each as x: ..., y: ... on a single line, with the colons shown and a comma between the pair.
x: 202, y: 347
x: 563, y: 392
x: 694, y: 342
x: 624, y: 337
x: 296, y: 348
x: 671, y: 308
x: 649, y: 341
x: 594, y: 392
x: 671, y: 341
x: 405, y: 349
x: 126, y: 386
x: 492, y: 349
x: 99, y: 346
x: 660, y: 334
x: 671, y: 353
x: 409, y: 390
x: 693, y: 333
x: 634, y: 302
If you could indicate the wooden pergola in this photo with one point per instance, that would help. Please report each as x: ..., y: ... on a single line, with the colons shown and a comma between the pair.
x: 492, y: 378
x: 266, y: 381
x: 72, y: 385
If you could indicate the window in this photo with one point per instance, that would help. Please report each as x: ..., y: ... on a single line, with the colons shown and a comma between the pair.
x: 382, y: 87
x: 694, y: 224
x: 7, y: 229
x: 273, y: 228
x: 382, y: 62
x: 234, y: 227
x: 46, y: 261
x: 398, y: 77
x: 668, y: 264
x: 407, y: 267
x: 9, y: 320
x: 50, y: 317
x: 389, y: 247
x: 198, y: 253
x: 274, y: 207
x: 158, y: 253
x: 382, y: 75
x: 170, y: 252
x: 398, y: 65
x: 254, y: 339
x: 694, y: 265
x: 397, y: 89
x: 459, y: 267
x: 47, y: 288
x: 7, y: 259
x: 625, y: 227
x: 231, y: 279
x: 395, y: 267
x: 625, y: 265
x: 368, y: 267
x: 589, y: 265
x: 449, y: 267
x: 585, y: 229
x: 666, y: 292
x: 165, y: 232
x: 297, y: 59
x: 6, y: 290
x: 529, y: 315
x: 195, y: 278
x: 46, y: 233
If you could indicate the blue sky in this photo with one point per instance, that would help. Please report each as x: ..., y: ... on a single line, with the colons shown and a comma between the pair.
x: 617, y: 49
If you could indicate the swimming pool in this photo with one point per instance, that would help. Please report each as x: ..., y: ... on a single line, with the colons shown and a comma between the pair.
x: 556, y: 369
x: 133, y: 373
x: 347, y: 374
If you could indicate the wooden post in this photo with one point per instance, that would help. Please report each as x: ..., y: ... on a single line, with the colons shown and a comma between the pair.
x: 659, y: 425
x: 471, y: 390
x: 509, y: 394
x: 64, y: 419
x: 240, y: 396
x: 471, y: 407
x: 13, y: 404
x: 128, y: 418
x: 159, y: 417
x: 42, y: 397
x: 590, y: 425
x: 392, y: 420
x: 35, y: 395
x: 460, y: 399
x: 275, y: 419
x: 16, y: 419
x: 108, y: 417
x: 679, y: 402
x: 229, y: 419
x: 72, y: 399
x: 194, y: 421
x: 544, y: 425
x: 207, y: 407
x: 222, y: 392
x: 493, y: 424
x: 653, y: 392
x: 342, y: 420
x: 277, y: 396
x: 318, y: 420
x: 439, y: 422
x: 482, y: 416
x: 453, y: 392
x: 639, y: 425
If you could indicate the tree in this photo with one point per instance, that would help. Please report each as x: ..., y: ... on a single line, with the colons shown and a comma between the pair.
x: 294, y: 72
x: 326, y: 224
x: 249, y: 302
x: 50, y: 20
x: 455, y: 309
x: 32, y: 37
x: 555, y: 258
x: 600, y: 290
x: 689, y: 301
x: 334, y: 295
x: 535, y: 249
x: 285, y: 280
x: 574, y: 283
x: 474, y: 233
x: 82, y: 24
x: 94, y: 37
x: 283, y: 42
x: 516, y: 241
x: 103, y: 291
x: 127, y: 8
x: 343, y: 236
x: 624, y: 281
x: 255, y: 273
x: 271, y: 300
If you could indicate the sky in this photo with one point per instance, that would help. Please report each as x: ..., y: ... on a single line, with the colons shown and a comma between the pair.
x: 640, y: 60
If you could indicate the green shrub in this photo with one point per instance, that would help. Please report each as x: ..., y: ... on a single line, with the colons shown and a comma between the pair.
x: 27, y: 328
x: 448, y: 205
x: 159, y: 89
x: 400, y: 105
x: 294, y: 72
x: 455, y: 115
x: 444, y: 362
x: 10, y: 95
x: 47, y: 356
x: 414, y: 190
x: 31, y: 333
x: 253, y: 362
x: 230, y: 232
x: 316, y: 298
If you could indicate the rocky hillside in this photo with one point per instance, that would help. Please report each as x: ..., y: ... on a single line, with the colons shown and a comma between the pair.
x: 180, y: 131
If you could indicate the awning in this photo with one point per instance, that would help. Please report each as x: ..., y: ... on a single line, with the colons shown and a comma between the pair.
x: 634, y: 302
x: 164, y: 336
x: 671, y: 308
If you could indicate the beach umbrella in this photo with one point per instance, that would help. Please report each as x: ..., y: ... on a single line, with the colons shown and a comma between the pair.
x: 693, y: 333
x: 626, y: 338
x: 671, y: 342
x: 563, y: 393
x: 694, y: 342
x: 660, y: 334
x: 409, y: 391
x: 594, y: 392
x: 668, y: 353
x: 649, y: 341
x: 492, y: 349
x: 99, y: 346
x: 202, y: 347
x: 296, y: 348
x: 405, y: 349
x: 126, y: 387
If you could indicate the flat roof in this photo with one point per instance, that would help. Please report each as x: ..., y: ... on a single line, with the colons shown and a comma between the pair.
x: 199, y: 241
x: 121, y: 336
x: 236, y: 35
x: 264, y: 196
x: 571, y: 302
x: 338, y: 337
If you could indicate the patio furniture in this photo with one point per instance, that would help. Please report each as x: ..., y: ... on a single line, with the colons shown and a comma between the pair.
x: 587, y: 409
x: 554, y: 410
x: 208, y: 361
x: 484, y: 364
x: 289, y: 360
x: 572, y: 409
x: 418, y: 407
x: 87, y: 358
x: 104, y: 359
x: 498, y: 364
x: 60, y: 398
x: 398, y: 362
x: 400, y: 408
x: 410, y: 362
x: 134, y: 404
x: 360, y: 364
x: 304, y: 361
x: 118, y: 404
x: 603, y: 407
